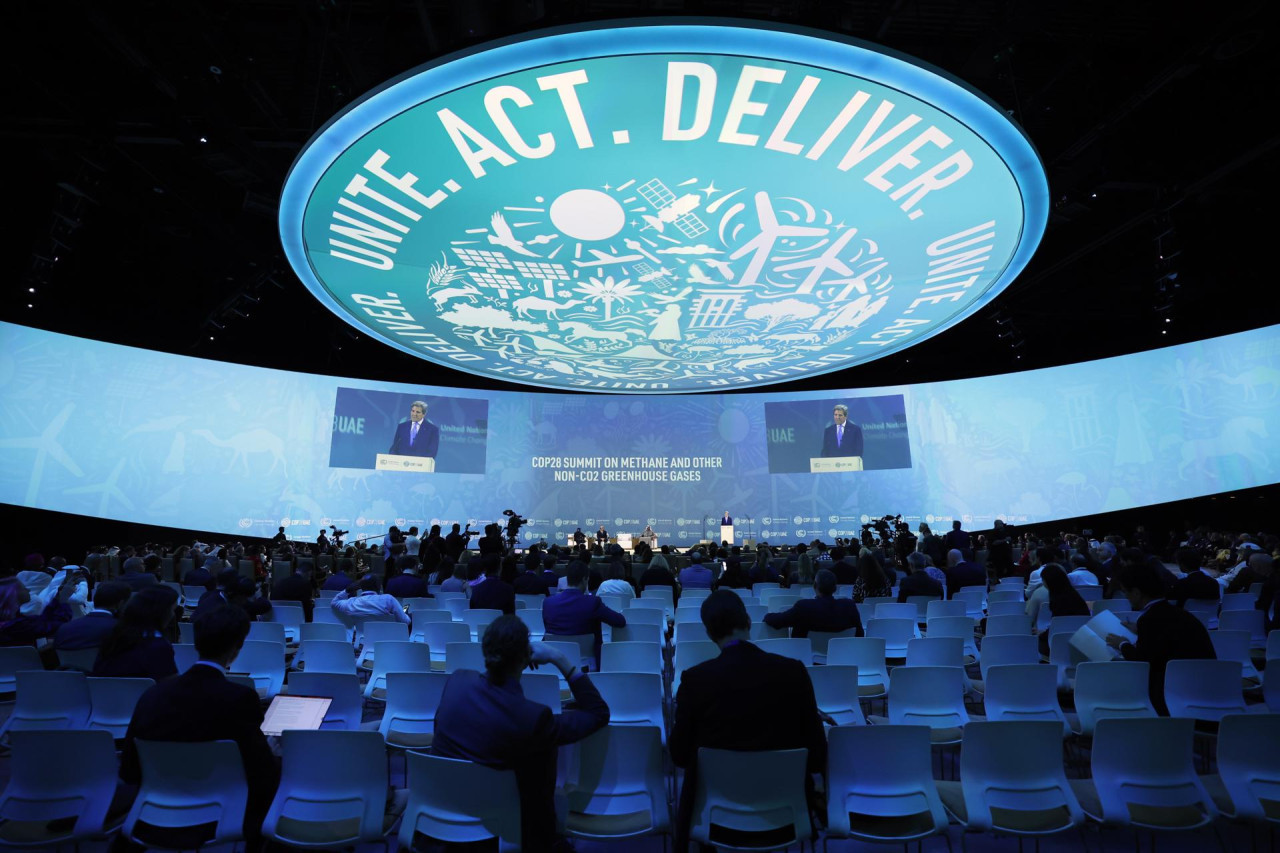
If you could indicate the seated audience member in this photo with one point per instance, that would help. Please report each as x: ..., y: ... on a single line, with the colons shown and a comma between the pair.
x: 1038, y: 558
x: 365, y: 599
x: 19, y: 629
x: 617, y: 583
x: 492, y: 592
x: 202, y: 574
x: 408, y: 584
x: 734, y: 576
x: 804, y: 573
x: 135, y: 574
x: 202, y: 705
x: 962, y: 573
x: 89, y: 631
x: 745, y: 699
x: 1197, y: 582
x: 233, y: 589
x: 762, y: 571
x: 1258, y: 570
x: 532, y: 581
x: 871, y: 581
x: 140, y: 645
x: 917, y: 581
x: 1081, y: 575
x: 823, y: 612
x: 658, y: 574
x: 696, y: 575
x: 1056, y: 593
x: 571, y: 612
x: 457, y: 580
x: 339, y: 580
x: 1165, y: 632
x: 296, y: 586
x: 845, y: 565
x: 485, y: 718
x: 549, y: 577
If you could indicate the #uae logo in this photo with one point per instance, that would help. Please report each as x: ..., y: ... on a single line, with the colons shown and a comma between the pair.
x: 663, y: 207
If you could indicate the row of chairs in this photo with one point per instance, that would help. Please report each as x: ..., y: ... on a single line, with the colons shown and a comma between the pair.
x: 879, y: 784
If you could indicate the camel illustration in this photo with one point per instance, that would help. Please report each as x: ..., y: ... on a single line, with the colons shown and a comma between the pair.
x: 535, y: 303
x: 247, y: 442
x: 1252, y: 378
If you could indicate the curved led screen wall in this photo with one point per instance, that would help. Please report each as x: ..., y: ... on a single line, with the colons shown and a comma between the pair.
x: 663, y: 207
x: 105, y: 430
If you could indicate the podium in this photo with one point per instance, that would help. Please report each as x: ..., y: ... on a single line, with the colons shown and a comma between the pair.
x: 834, y: 464
x: 726, y: 533
x: 395, y: 462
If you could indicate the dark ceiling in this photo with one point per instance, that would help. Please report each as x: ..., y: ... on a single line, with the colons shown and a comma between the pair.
x: 147, y: 143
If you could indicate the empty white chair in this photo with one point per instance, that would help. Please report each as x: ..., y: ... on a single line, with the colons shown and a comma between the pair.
x: 184, y: 656
x: 1023, y: 692
x: 544, y: 688
x: 686, y: 632
x: 836, y: 690
x: 756, y: 612
x: 61, y: 785
x: 880, y: 779
x: 867, y: 655
x: 633, y: 633
x: 932, y: 696
x: 438, y: 635
x: 1012, y: 780
x: 459, y: 802
x: 894, y: 610
x: 936, y: 607
x: 779, y: 603
x: 1002, y: 594
x: 820, y: 640
x: 955, y: 626
x: 532, y: 620
x: 263, y: 662
x: 1234, y: 646
x: 270, y: 632
x: 455, y: 607
x: 1203, y: 689
x: 415, y: 603
x: 1206, y: 609
x: 631, y: 657
x: 1253, y: 621
x: 332, y: 792
x: 796, y: 648
x: 189, y: 785
x: 974, y: 598
x: 373, y: 633
x: 478, y: 620
x: 620, y: 790
x: 687, y: 616
x: 412, y: 700
x: 729, y: 794
x: 895, y: 633
x: 634, y: 698
x: 1112, y: 604
x: 82, y: 659
x: 935, y: 651
x: 113, y: 701
x: 289, y: 615
x: 531, y: 602
x: 322, y: 631
x: 763, y: 631
x: 48, y: 700
x: 1066, y: 624
x: 1106, y: 689
x: 14, y: 659
x: 401, y: 656
x: 1006, y: 649
x: 424, y: 617
x: 346, y: 708
x: 1249, y: 766
x: 1006, y: 608
x: 695, y: 595
x: 1143, y: 775
x: 328, y: 656
x: 464, y: 656
x: 690, y: 653
x: 1238, y: 601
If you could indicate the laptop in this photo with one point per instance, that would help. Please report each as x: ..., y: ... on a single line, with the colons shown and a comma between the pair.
x: 295, y: 712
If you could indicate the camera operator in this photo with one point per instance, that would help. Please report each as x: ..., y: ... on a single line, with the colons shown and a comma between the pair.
x: 514, y: 523
x: 491, y: 542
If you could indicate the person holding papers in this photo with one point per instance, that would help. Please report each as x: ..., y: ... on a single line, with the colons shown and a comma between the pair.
x: 1056, y: 593
x: 1165, y: 632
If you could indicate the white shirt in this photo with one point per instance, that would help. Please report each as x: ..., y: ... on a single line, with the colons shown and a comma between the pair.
x: 41, y: 598
x: 368, y: 603
x: 411, y: 545
x: 616, y: 587
x: 1082, y: 577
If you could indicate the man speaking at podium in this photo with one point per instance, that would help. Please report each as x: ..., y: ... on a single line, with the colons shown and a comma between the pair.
x: 416, y: 436
x: 842, y: 438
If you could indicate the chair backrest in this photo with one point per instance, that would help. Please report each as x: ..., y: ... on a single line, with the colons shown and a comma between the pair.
x: 322, y: 631
x: 1112, y: 604
x: 894, y: 632
x: 634, y: 698
x: 584, y: 643
x: 346, y: 710
x: 1203, y: 689
x: 397, y: 656
x: 184, y: 656
x: 865, y: 653
x: 1005, y: 649
x: 634, y: 633
x: 82, y: 659
x: 921, y: 604
x: 113, y: 701
x: 779, y: 603
x: 1238, y: 601
x: 333, y: 789
x: 1002, y: 594
x: 1149, y: 762
x: 691, y: 632
x: 894, y: 610
x: 464, y: 656
x: 796, y: 648
x: 1249, y: 763
x: 416, y: 603
x: 927, y: 695
x: 1106, y: 689
x: 63, y: 773
x: 412, y: 699
x: 819, y: 641
x: 1234, y: 646
x: 950, y: 626
x: 262, y: 661
x: 1002, y: 784
x: 479, y: 619
x: 1253, y: 621
x: 373, y: 633
x: 1023, y: 692
x: 690, y: 653
x: 543, y: 688
x: 14, y: 659
x: 1014, y: 624
x: 882, y: 771
x: 728, y: 793
x: 332, y: 656
x: 1066, y: 624
x: 49, y: 700
x: 458, y: 801
x: 187, y: 785
x: 438, y: 635
x: 1006, y: 608
x: 631, y: 656
x: 836, y: 689
x: 619, y: 772
x: 763, y: 631
x: 936, y: 607
x: 935, y: 651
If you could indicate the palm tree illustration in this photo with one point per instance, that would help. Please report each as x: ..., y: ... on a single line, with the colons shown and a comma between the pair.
x: 608, y: 291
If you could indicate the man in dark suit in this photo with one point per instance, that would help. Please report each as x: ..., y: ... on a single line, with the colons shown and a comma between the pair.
x: 88, y: 631
x: 571, y: 612
x: 416, y: 436
x: 202, y: 705
x: 958, y: 539
x: 961, y: 573
x: 485, y: 718
x: 745, y: 699
x: 579, y: 538
x: 134, y: 573
x: 407, y: 584
x: 917, y: 581
x: 1165, y: 632
x: 296, y: 587
x: 532, y: 581
x: 1196, y: 583
x: 823, y: 612
x: 842, y: 438
x: 202, y: 575
x: 844, y: 565
x: 493, y: 593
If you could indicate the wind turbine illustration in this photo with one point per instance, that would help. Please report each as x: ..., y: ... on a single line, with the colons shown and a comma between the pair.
x: 45, y: 444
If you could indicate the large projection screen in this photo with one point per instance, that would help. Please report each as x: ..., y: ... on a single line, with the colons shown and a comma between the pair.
x: 116, y: 432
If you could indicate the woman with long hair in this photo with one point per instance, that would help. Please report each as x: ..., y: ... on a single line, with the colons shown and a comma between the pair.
x: 871, y: 581
x: 1059, y: 596
x: 140, y: 645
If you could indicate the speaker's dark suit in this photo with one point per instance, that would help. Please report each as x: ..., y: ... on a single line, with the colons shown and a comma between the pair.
x: 744, y: 699
x: 495, y: 725
x: 850, y: 445
x: 823, y: 613
x: 202, y: 705
x: 1166, y: 633
x: 426, y: 444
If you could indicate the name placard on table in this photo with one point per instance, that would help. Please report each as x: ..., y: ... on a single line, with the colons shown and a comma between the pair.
x: 834, y: 464
x: 395, y: 462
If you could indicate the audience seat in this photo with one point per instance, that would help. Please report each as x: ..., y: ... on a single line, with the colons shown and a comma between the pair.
x: 199, y: 787
x: 729, y: 801
x: 112, y: 701
x: 459, y: 802
x: 836, y: 689
x: 346, y: 710
x: 1106, y: 689
x: 408, y: 722
x: 620, y: 789
x: 62, y: 786
x: 48, y: 700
